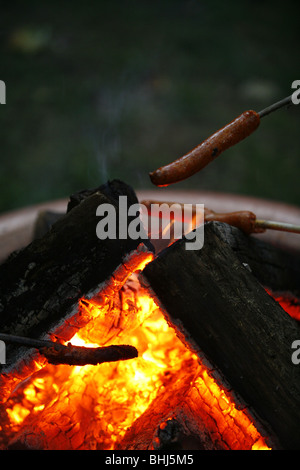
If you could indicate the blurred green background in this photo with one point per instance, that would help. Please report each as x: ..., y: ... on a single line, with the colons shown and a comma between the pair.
x: 98, y: 90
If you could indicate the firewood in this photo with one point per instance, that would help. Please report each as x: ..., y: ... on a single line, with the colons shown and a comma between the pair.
x: 186, y: 415
x: 274, y: 267
x: 40, y: 285
x: 222, y: 311
x: 177, y: 419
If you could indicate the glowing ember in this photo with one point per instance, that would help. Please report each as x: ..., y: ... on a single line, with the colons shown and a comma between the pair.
x: 289, y: 303
x: 91, y: 407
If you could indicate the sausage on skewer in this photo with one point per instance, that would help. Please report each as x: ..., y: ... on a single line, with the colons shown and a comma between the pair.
x: 207, y: 151
x: 244, y: 220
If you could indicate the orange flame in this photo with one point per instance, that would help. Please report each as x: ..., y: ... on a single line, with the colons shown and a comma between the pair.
x: 288, y: 302
x: 92, y: 407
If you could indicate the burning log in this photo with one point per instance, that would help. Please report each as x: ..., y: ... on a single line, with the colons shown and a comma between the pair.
x: 275, y: 268
x: 172, y: 423
x: 222, y: 311
x: 192, y: 413
x: 165, y: 398
x: 42, y: 283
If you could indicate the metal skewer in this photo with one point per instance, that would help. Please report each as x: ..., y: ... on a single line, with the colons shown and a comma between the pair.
x: 270, y: 224
x: 273, y: 107
x: 30, y: 342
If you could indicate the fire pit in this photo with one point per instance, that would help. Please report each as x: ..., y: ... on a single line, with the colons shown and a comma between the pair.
x: 185, y: 389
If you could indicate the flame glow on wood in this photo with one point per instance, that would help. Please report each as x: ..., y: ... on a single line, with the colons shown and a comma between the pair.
x: 92, y: 407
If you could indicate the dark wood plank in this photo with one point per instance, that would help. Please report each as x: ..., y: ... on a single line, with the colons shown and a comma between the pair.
x: 40, y: 285
x: 219, y: 307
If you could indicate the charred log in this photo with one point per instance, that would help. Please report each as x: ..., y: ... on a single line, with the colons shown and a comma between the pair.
x: 219, y: 308
x: 111, y: 189
x: 274, y: 267
x: 171, y: 423
x: 42, y: 283
x: 188, y: 414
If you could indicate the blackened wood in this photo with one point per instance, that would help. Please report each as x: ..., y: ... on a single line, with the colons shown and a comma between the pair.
x: 217, y: 305
x: 41, y: 284
x: 111, y: 189
x: 274, y: 267
x: 44, y: 221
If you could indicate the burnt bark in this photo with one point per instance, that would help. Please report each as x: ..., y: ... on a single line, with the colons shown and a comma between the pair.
x: 111, y: 189
x: 40, y: 285
x: 220, y: 308
x: 274, y: 267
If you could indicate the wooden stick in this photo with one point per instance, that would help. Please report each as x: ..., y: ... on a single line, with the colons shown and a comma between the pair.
x: 216, y: 304
x: 244, y: 220
x: 273, y: 225
x: 57, y: 353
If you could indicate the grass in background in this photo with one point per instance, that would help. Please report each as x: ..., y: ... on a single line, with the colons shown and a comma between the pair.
x: 98, y: 90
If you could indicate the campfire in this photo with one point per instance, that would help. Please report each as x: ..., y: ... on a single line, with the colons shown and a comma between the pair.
x: 172, y: 395
x: 140, y: 342
x: 91, y: 407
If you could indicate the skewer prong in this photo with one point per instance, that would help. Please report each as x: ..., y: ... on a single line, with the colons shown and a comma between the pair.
x: 273, y: 107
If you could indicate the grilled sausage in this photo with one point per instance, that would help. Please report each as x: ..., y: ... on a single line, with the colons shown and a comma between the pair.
x: 244, y: 220
x: 207, y: 151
